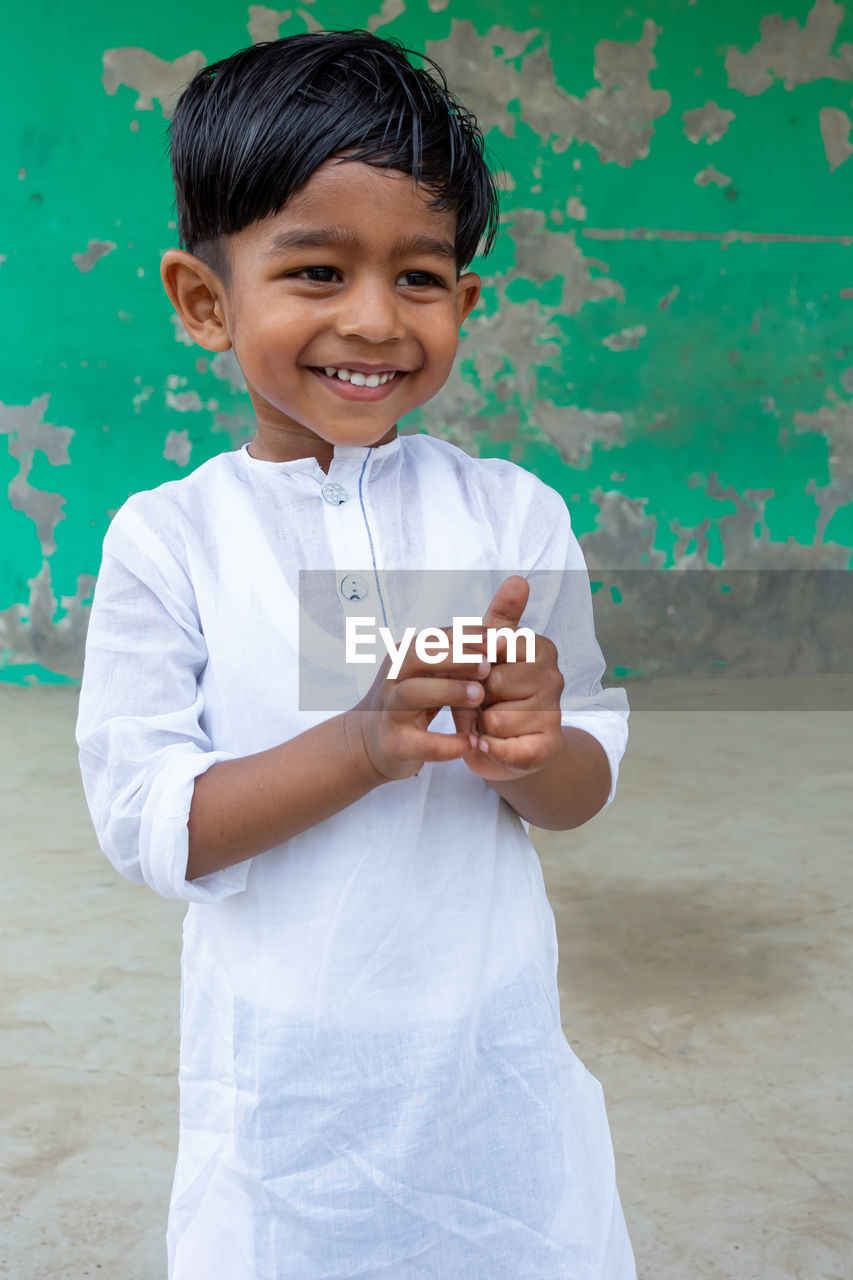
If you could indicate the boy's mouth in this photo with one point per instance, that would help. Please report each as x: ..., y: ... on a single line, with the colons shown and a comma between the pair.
x: 353, y: 384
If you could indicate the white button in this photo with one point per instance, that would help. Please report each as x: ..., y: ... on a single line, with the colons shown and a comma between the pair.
x: 353, y: 588
x: 334, y: 494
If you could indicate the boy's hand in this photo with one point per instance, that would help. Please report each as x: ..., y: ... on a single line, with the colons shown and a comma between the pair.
x: 388, y: 731
x: 518, y: 723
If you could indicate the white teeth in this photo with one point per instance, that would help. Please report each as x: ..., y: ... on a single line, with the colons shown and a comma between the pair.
x: 359, y: 379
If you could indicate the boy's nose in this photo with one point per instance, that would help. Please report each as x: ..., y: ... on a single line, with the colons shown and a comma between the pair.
x: 369, y: 312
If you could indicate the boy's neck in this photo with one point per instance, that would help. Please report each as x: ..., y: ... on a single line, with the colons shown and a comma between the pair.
x: 287, y: 445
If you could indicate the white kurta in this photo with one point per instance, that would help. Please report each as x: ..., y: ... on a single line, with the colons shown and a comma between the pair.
x: 374, y: 1080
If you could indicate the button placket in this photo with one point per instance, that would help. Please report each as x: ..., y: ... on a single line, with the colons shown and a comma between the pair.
x: 351, y: 562
x: 348, y: 539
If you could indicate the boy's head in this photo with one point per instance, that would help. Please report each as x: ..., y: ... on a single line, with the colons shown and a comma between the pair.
x: 249, y: 131
x: 329, y: 196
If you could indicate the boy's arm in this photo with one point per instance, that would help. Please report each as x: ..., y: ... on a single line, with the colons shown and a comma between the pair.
x: 245, y: 806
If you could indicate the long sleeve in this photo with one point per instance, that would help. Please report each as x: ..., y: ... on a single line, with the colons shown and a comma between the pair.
x: 560, y: 607
x: 139, y: 726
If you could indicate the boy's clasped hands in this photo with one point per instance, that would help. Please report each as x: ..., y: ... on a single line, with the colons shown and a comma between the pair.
x: 506, y: 714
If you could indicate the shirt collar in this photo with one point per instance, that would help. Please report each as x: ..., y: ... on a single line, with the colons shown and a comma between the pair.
x: 344, y: 456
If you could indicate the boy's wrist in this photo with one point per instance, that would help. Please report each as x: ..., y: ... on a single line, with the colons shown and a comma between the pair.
x: 359, y: 756
x: 568, y: 790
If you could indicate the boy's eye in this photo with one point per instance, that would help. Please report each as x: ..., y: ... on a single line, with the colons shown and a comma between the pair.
x: 419, y: 278
x: 320, y: 275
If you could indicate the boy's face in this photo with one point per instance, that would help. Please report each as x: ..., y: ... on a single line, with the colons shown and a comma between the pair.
x: 356, y: 274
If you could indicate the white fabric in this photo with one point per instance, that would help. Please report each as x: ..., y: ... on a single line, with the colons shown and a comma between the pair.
x: 374, y: 1079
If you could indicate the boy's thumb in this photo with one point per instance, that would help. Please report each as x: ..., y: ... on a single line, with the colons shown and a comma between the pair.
x: 508, y: 603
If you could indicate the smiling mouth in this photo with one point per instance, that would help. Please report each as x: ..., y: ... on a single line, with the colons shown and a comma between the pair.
x: 354, y: 384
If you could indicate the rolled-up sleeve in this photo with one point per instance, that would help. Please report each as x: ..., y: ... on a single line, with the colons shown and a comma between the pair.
x: 560, y: 608
x: 139, y: 723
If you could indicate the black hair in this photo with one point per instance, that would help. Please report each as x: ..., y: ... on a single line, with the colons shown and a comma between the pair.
x: 249, y: 131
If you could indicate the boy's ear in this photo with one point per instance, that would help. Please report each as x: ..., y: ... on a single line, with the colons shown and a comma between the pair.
x: 468, y: 289
x: 196, y: 293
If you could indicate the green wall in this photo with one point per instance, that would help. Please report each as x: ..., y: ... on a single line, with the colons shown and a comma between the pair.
x: 664, y: 333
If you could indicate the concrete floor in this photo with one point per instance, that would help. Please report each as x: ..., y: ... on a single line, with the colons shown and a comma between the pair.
x: 705, y: 959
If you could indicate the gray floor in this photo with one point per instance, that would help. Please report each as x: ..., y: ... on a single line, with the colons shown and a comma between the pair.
x: 704, y: 925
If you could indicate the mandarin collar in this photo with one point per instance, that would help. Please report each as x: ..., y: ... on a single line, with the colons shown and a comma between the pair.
x: 344, y: 458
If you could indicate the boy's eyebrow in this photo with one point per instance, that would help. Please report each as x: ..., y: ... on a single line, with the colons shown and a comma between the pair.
x: 341, y: 238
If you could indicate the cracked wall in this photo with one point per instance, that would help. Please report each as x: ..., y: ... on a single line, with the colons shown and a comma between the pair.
x: 664, y: 333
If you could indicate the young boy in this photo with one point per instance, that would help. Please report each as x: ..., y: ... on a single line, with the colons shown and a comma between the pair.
x: 374, y: 1079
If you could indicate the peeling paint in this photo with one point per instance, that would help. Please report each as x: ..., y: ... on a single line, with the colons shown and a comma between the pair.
x: 576, y: 209
x: 835, y: 424
x: 616, y: 118
x: 178, y: 447
x: 726, y: 237
x: 625, y: 534
x: 28, y: 432
x: 626, y: 339
x: 264, y: 23
x: 709, y: 122
x: 541, y: 255
x: 95, y: 250
x: 150, y: 76
x: 709, y: 175
x: 390, y: 10
x: 31, y: 635
x: 311, y: 23
x: 786, y: 51
x: 141, y: 397
x: 575, y: 432
x: 835, y: 126
x: 184, y: 401
x: 745, y: 534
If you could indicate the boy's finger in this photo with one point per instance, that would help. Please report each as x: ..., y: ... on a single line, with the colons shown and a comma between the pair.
x: 516, y: 719
x: 422, y: 693
x: 508, y: 603
x: 521, y: 682
x: 466, y: 722
x: 525, y: 752
x: 437, y: 747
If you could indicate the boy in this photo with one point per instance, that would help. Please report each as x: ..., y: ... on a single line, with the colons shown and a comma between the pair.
x: 374, y: 1079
